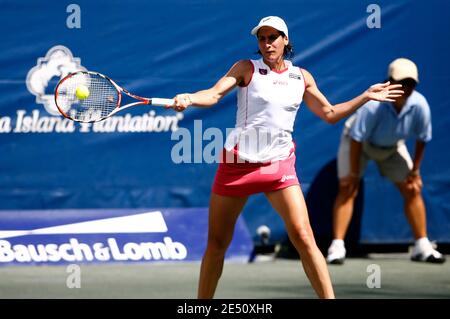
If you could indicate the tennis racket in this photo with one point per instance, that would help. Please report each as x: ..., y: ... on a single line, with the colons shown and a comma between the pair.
x: 101, y: 97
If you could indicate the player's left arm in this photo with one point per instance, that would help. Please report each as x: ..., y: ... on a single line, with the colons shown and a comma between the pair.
x: 320, y: 106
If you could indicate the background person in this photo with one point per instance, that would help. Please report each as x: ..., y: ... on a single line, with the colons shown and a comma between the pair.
x: 377, y: 131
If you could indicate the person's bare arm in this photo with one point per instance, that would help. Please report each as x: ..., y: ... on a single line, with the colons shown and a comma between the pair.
x: 320, y: 106
x: 414, y: 179
x: 239, y: 73
x: 351, y: 181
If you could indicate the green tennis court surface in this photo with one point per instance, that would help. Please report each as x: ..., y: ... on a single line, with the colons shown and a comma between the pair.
x: 282, y: 278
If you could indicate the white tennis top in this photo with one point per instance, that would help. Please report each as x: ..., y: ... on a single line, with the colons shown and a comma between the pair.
x: 266, y: 111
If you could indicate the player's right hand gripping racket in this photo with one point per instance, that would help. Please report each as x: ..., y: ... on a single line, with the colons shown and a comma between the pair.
x: 100, y: 99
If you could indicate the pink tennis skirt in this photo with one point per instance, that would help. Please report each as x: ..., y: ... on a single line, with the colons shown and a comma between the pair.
x: 244, y: 179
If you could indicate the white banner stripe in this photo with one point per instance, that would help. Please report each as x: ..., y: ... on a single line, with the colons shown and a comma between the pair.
x: 151, y: 222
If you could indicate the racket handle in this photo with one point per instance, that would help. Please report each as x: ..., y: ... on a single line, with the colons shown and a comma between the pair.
x: 162, y: 102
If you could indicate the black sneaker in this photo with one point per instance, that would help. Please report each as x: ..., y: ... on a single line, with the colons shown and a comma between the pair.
x: 433, y: 257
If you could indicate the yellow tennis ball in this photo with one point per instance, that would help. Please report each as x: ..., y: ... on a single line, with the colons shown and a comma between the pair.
x: 82, y: 92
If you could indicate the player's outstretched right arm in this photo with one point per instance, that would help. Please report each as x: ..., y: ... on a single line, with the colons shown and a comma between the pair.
x: 238, y: 74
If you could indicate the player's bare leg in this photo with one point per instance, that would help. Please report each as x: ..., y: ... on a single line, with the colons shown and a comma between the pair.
x: 290, y: 204
x: 223, y: 213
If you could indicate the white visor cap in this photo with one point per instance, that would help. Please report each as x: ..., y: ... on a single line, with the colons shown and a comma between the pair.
x: 274, y: 22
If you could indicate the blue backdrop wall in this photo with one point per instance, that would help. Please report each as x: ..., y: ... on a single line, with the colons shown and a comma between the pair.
x: 167, y: 47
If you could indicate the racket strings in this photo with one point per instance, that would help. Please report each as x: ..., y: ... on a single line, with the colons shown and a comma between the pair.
x: 102, y: 99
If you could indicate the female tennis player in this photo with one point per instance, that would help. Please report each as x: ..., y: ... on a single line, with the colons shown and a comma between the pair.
x: 259, y: 154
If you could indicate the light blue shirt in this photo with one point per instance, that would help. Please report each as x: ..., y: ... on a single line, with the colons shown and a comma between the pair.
x: 378, y: 122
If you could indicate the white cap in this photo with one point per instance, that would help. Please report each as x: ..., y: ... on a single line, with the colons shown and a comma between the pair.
x: 274, y: 22
x: 402, y: 68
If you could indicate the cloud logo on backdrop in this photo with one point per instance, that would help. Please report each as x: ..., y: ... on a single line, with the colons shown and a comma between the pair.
x: 58, y: 62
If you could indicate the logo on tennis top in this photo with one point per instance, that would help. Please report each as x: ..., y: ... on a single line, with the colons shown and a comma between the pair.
x: 263, y: 71
x: 57, y: 63
x: 295, y: 76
